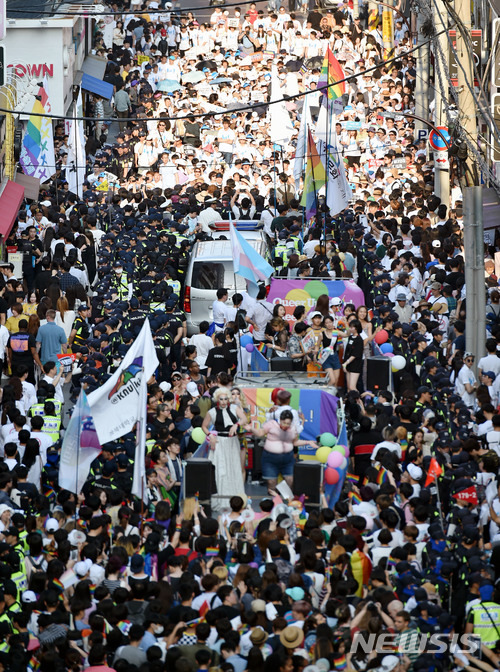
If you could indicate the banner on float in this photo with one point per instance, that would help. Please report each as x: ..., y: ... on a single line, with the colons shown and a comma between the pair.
x: 293, y: 293
x: 318, y: 407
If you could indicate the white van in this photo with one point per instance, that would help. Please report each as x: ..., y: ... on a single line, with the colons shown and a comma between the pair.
x: 211, y: 268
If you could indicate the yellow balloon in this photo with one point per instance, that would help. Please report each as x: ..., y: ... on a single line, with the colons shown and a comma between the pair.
x: 322, y: 454
x: 300, y: 296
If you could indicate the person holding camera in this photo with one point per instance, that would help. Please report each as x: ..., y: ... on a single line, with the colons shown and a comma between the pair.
x: 244, y: 209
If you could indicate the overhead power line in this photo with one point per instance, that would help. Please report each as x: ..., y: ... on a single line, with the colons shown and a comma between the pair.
x: 89, y: 13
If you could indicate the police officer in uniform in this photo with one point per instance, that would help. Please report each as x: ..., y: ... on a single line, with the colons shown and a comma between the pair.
x: 136, y: 316
x: 281, y: 249
x: 121, y: 282
x: 169, y: 279
x: 80, y: 331
x: 51, y: 422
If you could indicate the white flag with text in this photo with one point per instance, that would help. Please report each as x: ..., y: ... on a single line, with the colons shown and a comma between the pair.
x: 115, y: 406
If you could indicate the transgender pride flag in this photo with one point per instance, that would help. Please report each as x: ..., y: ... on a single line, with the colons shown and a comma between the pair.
x: 247, y: 262
x: 37, y: 153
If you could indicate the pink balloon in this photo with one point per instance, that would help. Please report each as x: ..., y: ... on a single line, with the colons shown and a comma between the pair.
x: 346, y: 450
x: 332, y: 476
x: 334, y: 459
x: 389, y: 354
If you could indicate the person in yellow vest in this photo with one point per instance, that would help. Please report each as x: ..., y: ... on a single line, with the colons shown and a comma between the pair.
x: 484, y: 620
x: 51, y: 423
x: 11, y: 594
x: 175, y: 284
x: 121, y: 282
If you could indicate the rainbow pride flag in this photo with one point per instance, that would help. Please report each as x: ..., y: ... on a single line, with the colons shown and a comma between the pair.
x: 331, y: 76
x: 212, y: 551
x: 382, y: 476
x: 314, y: 178
x: 352, y: 478
x: 361, y: 567
x: 340, y: 663
x: 355, y: 499
x: 262, y: 347
x: 37, y: 153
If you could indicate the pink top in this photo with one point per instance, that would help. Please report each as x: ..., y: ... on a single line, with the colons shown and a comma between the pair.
x: 278, y: 441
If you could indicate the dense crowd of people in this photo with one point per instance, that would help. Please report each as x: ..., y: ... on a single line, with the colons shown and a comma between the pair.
x: 102, y: 581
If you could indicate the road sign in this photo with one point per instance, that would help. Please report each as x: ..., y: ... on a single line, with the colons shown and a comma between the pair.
x: 3, y: 62
x: 436, y: 141
x: 441, y: 161
x: 476, y: 53
x: 422, y: 134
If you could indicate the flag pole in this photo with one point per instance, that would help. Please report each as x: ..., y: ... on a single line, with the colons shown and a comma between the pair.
x: 141, y: 454
x: 78, y: 457
x: 75, y: 130
x: 328, y: 131
x: 240, y: 360
x: 304, y: 160
x: 440, y: 506
x: 314, y: 179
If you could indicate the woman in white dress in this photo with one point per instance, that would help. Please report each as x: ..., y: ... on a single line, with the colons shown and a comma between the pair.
x: 225, y: 420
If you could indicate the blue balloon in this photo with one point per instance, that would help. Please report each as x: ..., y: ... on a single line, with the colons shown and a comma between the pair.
x: 386, y: 347
x: 245, y: 340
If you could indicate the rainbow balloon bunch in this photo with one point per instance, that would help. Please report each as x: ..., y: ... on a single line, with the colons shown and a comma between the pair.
x: 333, y: 455
x: 382, y: 340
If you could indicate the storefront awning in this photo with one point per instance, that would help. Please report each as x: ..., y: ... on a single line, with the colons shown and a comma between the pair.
x: 95, y: 66
x: 10, y: 202
x: 97, y: 86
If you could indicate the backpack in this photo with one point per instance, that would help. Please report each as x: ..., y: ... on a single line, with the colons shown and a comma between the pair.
x: 241, y: 323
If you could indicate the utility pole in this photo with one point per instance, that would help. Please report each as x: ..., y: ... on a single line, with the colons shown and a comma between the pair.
x: 441, y: 177
x: 372, y: 15
x: 422, y: 82
x: 387, y: 27
x: 475, y: 333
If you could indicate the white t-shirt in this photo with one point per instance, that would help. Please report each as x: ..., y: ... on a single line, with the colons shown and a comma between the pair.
x: 489, y: 363
x: 226, y: 138
x: 219, y: 312
x: 465, y: 375
x: 203, y: 345
x: 390, y: 445
x: 397, y: 538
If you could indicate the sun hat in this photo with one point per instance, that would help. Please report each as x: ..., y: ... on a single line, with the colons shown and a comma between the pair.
x: 291, y: 637
x: 258, y: 636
